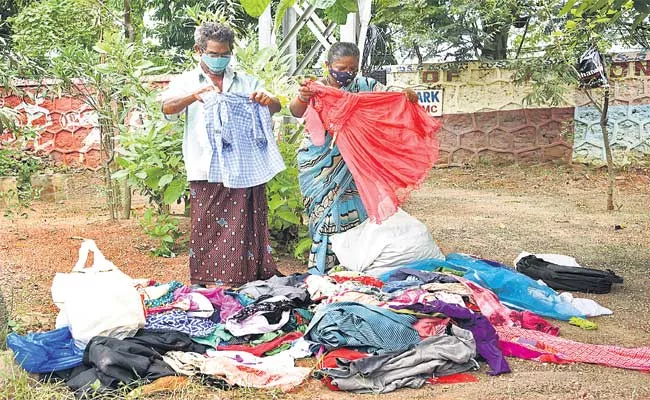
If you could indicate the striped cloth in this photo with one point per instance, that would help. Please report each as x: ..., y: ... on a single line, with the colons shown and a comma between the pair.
x: 567, y: 350
x: 244, y: 151
x: 362, y: 327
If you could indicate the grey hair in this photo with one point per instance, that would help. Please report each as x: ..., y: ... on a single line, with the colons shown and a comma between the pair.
x: 215, y: 32
x: 342, y: 49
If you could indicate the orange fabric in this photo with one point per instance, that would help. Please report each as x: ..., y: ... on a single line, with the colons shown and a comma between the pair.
x: 388, y: 143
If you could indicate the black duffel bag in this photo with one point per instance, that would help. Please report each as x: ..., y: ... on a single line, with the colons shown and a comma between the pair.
x: 572, y: 279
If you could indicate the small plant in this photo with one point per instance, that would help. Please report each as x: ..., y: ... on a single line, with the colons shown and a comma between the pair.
x: 288, y: 231
x: 165, y: 230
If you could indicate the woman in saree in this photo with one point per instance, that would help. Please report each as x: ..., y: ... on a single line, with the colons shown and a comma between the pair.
x: 331, y: 198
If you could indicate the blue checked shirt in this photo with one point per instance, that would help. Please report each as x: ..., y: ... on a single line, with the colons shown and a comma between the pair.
x: 244, y: 151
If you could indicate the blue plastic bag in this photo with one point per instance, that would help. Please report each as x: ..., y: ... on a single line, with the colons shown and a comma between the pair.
x: 513, y: 288
x: 45, y: 352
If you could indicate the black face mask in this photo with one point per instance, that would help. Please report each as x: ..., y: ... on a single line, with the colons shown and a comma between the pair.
x: 342, y: 77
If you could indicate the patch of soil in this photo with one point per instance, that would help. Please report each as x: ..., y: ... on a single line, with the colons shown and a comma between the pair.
x: 492, y: 212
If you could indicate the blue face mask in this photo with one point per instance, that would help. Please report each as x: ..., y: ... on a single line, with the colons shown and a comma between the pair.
x: 342, y: 77
x: 215, y: 64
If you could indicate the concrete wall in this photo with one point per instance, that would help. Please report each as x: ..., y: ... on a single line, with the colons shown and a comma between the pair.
x: 485, y: 118
x: 628, y: 118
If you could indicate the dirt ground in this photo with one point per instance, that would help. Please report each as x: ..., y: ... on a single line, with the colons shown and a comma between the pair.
x: 494, y: 212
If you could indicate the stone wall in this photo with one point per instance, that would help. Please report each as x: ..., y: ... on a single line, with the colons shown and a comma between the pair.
x: 69, y: 128
x: 485, y: 118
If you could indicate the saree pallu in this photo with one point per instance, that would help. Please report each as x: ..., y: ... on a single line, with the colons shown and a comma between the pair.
x: 383, y: 148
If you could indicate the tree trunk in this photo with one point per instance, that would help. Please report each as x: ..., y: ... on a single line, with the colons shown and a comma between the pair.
x: 608, y: 152
x: 129, y: 31
x: 495, y: 46
x: 129, y: 34
x: 418, y: 54
x: 126, y: 200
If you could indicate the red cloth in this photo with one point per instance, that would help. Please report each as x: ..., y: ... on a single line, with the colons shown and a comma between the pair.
x: 329, y: 361
x: 388, y: 143
x: 260, y: 349
x: 455, y: 378
x: 366, y: 280
x: 567, y: 350
x: 529, y: 320
x: 431, y: 326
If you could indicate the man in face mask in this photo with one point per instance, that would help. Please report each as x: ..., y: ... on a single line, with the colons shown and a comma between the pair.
x: 229, y: 234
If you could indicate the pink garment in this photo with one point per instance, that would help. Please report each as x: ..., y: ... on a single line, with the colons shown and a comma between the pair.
x: 567, y: 350
x: 517, y: 350
x: 529, y: 320
x: 226, y: 304
x: 388, y: 143
x: 489, y: 304
x: 431, y: 326
x: 410, y: 296
x: 184, y: 304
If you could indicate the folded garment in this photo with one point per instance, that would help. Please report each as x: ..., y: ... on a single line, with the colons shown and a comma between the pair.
x: 402, y: 274
x: 226, y: 304
x: 287, y: 286
x: 265, y: 316
x: 179, y: 321
x: 261, y: 349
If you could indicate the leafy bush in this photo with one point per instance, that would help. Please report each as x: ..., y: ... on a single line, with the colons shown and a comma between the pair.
x: 165, y: 230
x: 289, y: 233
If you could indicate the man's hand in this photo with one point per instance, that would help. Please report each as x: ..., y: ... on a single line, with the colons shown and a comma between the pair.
x: 198, y: 94
x: 262, y: 98
x: 266, y: 99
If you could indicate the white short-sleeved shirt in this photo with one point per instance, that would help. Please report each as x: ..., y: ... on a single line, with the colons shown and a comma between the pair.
x: 197, y: 151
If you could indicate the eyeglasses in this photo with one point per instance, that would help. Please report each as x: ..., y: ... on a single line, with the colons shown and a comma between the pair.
x: 217, y: 55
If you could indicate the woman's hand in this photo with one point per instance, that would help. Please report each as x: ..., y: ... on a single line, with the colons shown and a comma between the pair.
x: 304, y: 94
x: 411, y: 95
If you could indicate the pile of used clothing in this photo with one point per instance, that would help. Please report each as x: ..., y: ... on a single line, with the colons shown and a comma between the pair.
x: 432, y: 320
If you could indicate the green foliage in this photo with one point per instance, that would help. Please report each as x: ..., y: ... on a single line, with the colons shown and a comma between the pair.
x: 164, y: 229
x: 174, y: 24
x: 289, y: 233
x: 457, y: 29
x: 565, y: 34
x: 338, y: 12
x: 268, y: 66
x: 255, y: 8
x: 42, y: 28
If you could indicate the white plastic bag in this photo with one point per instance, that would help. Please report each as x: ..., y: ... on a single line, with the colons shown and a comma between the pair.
x: 371, y: 248
x: 100, y: 300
